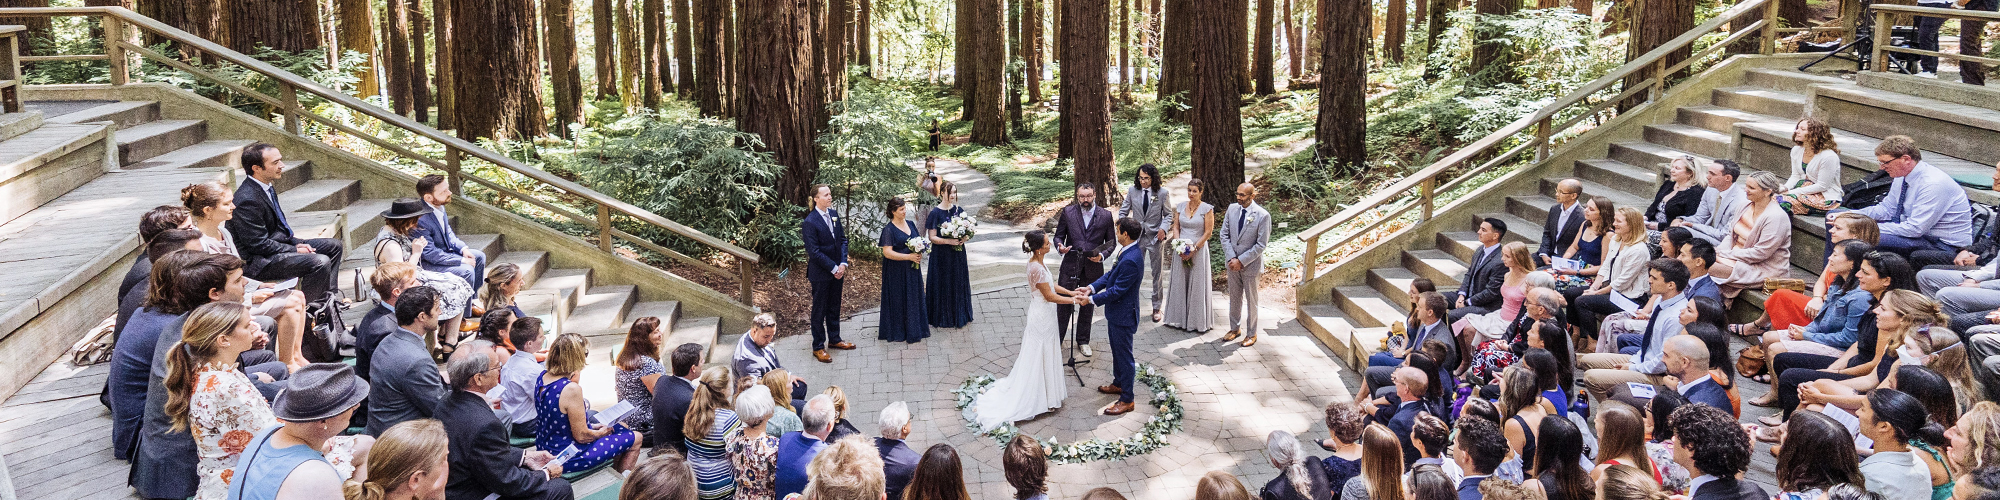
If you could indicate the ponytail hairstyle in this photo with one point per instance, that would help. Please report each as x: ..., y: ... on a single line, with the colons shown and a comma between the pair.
x: 1906, y: 415
x: 1625, y: 482
x: 1932, y: 390
x: 711, y: 393
x: 497, y: 276
x: 1033, y: 241
x: 404, y: 451
x: 201, y: 339
x: 1283, y: 449
x: 1381, y: 464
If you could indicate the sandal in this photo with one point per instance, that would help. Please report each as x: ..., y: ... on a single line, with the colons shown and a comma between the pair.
x: 1772, y: 420
x: 1773, y: 435
x: 1762, y: 378
x: 1746, y: 330
x: 1767, y: 403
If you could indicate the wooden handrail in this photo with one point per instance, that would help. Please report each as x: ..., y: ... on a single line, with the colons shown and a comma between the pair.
x: 119, y: 19
x: 1429, y: 177
x: 1882, y: 13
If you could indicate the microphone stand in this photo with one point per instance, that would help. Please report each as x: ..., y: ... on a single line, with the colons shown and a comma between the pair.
x: 1076, y: 322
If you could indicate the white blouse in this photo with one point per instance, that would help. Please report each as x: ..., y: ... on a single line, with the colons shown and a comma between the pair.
x: 1822, y: 170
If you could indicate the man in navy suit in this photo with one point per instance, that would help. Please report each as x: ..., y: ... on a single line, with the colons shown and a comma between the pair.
x: 1121, y: 310
x: 1478, y: 450
x: 482, y: 462
x: 1411, y: 385
x: 1687, y: 360
x: 1698, y: 255
x: 446, y: 253
x: 1479, y: 290
x: 899, y: 462
x: 1714, y: 449
x: 672, y: 395
x: 826, y: 267
x: 264, y: 238
x: 796, y: 449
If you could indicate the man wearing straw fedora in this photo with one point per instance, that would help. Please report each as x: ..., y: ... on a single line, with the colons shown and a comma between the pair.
x: 314, y: 406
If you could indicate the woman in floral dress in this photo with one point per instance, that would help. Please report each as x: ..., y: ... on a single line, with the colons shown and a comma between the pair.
x: 753, y: 453
x: 209, y: 398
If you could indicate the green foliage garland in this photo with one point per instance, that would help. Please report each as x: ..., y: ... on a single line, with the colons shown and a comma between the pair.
x: 1152, y: 436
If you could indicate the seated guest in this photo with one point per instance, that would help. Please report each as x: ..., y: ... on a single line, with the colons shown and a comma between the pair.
x: 446, y: 253
x: 1759, y: 244
x: 1621, y: 441
x: 208, y: 397
x: 1299, y: 475
x: 264, y: 236
x: 284, y: 312
x: 1602, y: 371
x: 798, y: 449
x: 1984, y: 247
x: 389, y: 281
x: 1924, y: 209
x: 1898, y: 424
x: 1565, y: 221
x: 1713, y: 447
x: 482, y: 461
x: 1930, y: 369
x: 1660, y: 447
x: 1722, y: 203
x: 939, y: 475
x: 1559, y: 462
x: 1841, y: 305
x: 1432, y: 435
x: 638, y: 370
x: 316, y: 406
x: 786, y: 417
x: 167, y: 294
x: 1521, y: 413
x: 753, y: 456
x: 1381, y: 472
x: 899, y: 462
x: 1972, y: 438
x: 398, y: 241
x: 1479, y: 291
x: 1220, y: 485
x: 157, y: 221
x: 1786, y: 308
x: 1872, y: 352
x: 1687, y: 361
x: 841, y: 427
x: 520, y: 377
x: 1721, y: 366
x: 1344, y: 422
x: 410, y: 461
x: 844, y: 470
x: 1474, y: 329
x: 1817, y: 454
x: 1964, y: 294
x: 1814, y: 186
x: 1410, y: 391
x: 1624, y: 273
x: 1550, y: 375
x: 672, y: 396
x: 493, y: 328
x: 1538, y: 314
x: 503, y: 283
x: 1698, y: 256
x: 665, y: 476
x: 1429, y: 324
x: 1429, y: 482
x: 406, y: 382
x: 563, y: 417
x: 1588, y: 248
x: 1478, y: 449
x: 1624, y: 482
x: 1679, y: 195
x: 1026, y: 468
x: 754, y: 355
x: 709, y: 428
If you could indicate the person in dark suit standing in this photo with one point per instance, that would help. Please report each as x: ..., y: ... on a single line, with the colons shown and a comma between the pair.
x: 1411, y: 386
x: 1714, y: 449
x: 482, y: 461
x: 826, y: 267
x: 899, y: 462
x: 1565, y: 221
x: 1478, y: 450
x: 672, y: 395
x: 264, y: 238
x: 446, y: 253
x: 1119, y: 292
x: 1083, y: 234
x: 1479, y: 290
x: 404, y: 384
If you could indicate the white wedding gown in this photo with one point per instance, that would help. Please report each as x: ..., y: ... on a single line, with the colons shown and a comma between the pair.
x: 1035, y: 384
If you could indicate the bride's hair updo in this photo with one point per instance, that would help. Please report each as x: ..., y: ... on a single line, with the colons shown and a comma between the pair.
x: 1034, y: 241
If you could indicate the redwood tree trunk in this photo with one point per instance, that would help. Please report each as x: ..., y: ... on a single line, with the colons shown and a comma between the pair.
x: 684, y: 53
x: 1434, y: 26
x: 565, y: 78
x: 1393, y: 33
x: 603, y: 23
x: 1176, y: 65
x: 633, y: 75
x: 498, y: 63
x: 1586, y: 8
x: 1031, y: 20
x: 447, y: 90
x: 1215, y: 119
x: 1294, y: 44
x: 839, y: 21
x: 711, y: 18
x: 288, y: 25
x: 1239, y: 31
x: 1654, y: 23
x: 989, y: 124
x: 864, y: 38
x: 357, y: 33
x: 1125, y: 48
x: 1342, y: 124
x: 779, y: 90
x: 402, y: 95
x: 202, y: 18
x: 41, y: 31
x: 420, y: 85
x: 962, y: 47
x: 1086, y: 100
x: 1489, y: 56
x: 1796, y: 14
x: 655, y: 64
x: 1263, y: 66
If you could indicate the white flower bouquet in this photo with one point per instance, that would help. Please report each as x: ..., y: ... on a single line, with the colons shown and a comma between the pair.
x: 918, y: 245
x: 1183, y: 247
x: 959, y: 227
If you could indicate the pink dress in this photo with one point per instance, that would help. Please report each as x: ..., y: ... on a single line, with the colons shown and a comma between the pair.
x: 1493, y: 325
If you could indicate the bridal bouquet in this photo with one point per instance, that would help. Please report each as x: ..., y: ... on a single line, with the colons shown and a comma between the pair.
x: 959, y: 227
x: 1183, y: 247
x: 918, y: 245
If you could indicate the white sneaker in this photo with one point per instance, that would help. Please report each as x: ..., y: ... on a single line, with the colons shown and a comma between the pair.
x: 1086, y: 350
x: 1927, y: 74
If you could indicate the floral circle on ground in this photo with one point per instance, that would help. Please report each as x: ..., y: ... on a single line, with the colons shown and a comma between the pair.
x: 1152, y: 436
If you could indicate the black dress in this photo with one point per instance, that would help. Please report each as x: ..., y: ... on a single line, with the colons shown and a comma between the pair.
x: 902, y: 316
x: 948, y: 290
x: 1668, y: 205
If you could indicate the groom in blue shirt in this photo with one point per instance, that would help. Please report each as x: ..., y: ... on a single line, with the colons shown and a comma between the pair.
x: 1114, y: 291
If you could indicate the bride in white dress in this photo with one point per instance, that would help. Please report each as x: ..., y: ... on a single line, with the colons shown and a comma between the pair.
x: 1035, y: 384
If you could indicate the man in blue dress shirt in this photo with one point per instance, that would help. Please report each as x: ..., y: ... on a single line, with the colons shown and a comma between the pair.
x: 1924, y: 210
x: 796, y: 449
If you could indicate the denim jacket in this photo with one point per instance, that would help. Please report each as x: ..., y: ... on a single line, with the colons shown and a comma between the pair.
x: 1839, y: 322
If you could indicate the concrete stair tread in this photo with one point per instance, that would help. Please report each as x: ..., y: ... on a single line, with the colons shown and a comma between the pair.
x: 13, y: 124
x: 489, y: 244
x: 320, y: 195
x: 365, y: 218
x: 1598, y: 173
x: 669, y: 311
x: 120, y: 114
x: 1335, y: 329
x: 1761, y: 100
x: 1620, y: 197
x: 31, y: 149
x: 707, y: 331
x: 1663, y: 153
x: 1789, y: 80
x: 532, y: 263
x: 1689, y: 138
x: 602, y: 310
x: 310, y: 225
x: 1442, y: 268
x: 212, y: 153
x: 1518, y: 228
x: 1367, y: 306
x: 1767, y: 93
x: 1393, y: 282
x: 1974, y: 116
x: 1721, y: 119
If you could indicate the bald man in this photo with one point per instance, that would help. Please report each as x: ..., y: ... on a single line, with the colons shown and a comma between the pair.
x: 1565, y: 221
x: 1411, y: 385
x: 1246, y: 230
x: 1686, y: 358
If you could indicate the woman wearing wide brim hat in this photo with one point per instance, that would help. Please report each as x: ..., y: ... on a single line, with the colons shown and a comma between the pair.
x: 398, y: 241
x: 305, y: 449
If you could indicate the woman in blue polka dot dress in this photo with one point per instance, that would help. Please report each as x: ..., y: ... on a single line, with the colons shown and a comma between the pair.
x: 561, y: 412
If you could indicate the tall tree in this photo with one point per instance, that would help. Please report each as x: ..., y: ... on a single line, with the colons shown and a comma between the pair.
x: 40, y: 29
x: 1086, y: 100
x: 1294, y: 44
x: 1795, y: 13
x: 864, y: 38
x: 655, y: 64
x: 1490, y: 54
x: 1654, y: 23
x: 711, y: 19
x: 684, y: 53
x: 357, y: 33
x: 962, y: 47
x: 603, y: 23
x: 420, y: 85
x: 402, y: 65
x: 1014, y: 69
x: 839, y: 32
x: 1434, y: 26
x: 201, y: 18
x: 288, y: 25
x: 1397, y: 22
x: 633, y: 76
x: 779, y: 91
x: 447, y: 82
x: 1214, y: 116
x: 1031, y: 48
x: 1239, y: 31
x: 565, y: 77
x: 1266, y: 55
x: 1176, y: 65
x: 989, y: 124
x: 498, y: 63
x: 1586, y: 8
x: 1125, y: 48
x: 1342, y: 124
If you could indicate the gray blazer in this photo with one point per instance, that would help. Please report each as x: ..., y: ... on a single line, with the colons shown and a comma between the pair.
x: 1246, y: 244
x: 164, y: 467
x: 1717, y: 213
x: 405, y: 383
x: 1153, y: 214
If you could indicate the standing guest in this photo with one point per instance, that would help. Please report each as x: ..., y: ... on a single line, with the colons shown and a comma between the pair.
x: 389, y: 282
x: 1478, y: 449
x: 1083, y: 236
x: 1621, y: 440
x: 1565, y: 221
x: 825, y: 238
x: 841, y: 427
x: 939, y: 476
x: 446, y: 253
x: 264, y: 237
x: 1623, y: 273
x: 1759, y: 245
x: 1188, y: 297
x: 1559, y: 464
x: 1148, y: 201
x: 673, y: 395
x: 1817, y: 454
x: 899, y: 462
x: 1679, y: 196
x: 1026, y: 468
x: 1428, y: 482
x: 709, y: 428
x: 948, y: 289
x: 170, y: 292
x: 1899, y: 426
x: 1814, y: 186
x: 798, y: 449
x: 902, y: 316
x: 1587, y: 249
x: 1625, y: 482
x: 1431, y: 436
x: 1667, y: 278
x: 1479, y: 290
x: 503, y: 283
x: 482, y: 462
x: 407, y: 386
x: 209, y: 398
x: 520, y: 377
x: 786, y: 416
x: 1715, y: 448
x: 666, y: 476
x: 1925, y: 209
x: 845, y: 470
x: 562, y: 418
x: 209, y: 206
x: 1218, y: 485
x: 1721, y: 204
x: 289, y: 460
x: 1927, y: 38
x: 638, y: 370
x: 754, y: 455
x: 1344, y: 423
x: 399, y: 241
x: 1300, y: 476
x: 1381, y: 470
x: 409, y: 462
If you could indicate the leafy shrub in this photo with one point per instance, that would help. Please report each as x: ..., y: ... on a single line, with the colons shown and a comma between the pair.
x: 870, y: 135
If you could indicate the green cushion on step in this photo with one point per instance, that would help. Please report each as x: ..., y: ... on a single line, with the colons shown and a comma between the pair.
x: 608, y: 493
x: 573, y: 476
x: 521, y: 442
x: 1979, y: 180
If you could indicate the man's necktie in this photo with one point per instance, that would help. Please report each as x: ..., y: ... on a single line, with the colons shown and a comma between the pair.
x: 280, y: 209
x: 1240, y: 215
x: 1646, y: 340
x: 1145, y: 204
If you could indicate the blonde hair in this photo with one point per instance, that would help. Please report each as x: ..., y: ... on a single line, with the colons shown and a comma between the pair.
x: 1516, y: 253
x: 495, y: 277
x: 1635, y: 224
x: 403, y: 451
x: 1623, y: 482
x: 1697, y: 173
x: 1981, y: 427
x: 201, y: 337
x: 567, y: 354
x: 390, y: 275
x: 848, y: 469
x: 1863, y: 228
x: 780, y: 382
x: 1506, y: 490
x: 711, y: 393
x: 839, y: 398
x: 1220, y: 485
x: 1917, y: 311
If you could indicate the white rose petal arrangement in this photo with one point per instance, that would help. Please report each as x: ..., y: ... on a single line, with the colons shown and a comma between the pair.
x: 1152, y: 436
x: 959, y: 227
x: 1183, y: 247
x: 918, y: 245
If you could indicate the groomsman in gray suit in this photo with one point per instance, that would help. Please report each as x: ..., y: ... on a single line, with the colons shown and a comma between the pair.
x: 1245, y: 232
x: 1148, y: 202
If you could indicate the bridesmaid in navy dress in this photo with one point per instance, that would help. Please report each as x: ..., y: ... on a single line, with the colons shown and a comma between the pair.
x: 949, y: 288
x: 902, y: 317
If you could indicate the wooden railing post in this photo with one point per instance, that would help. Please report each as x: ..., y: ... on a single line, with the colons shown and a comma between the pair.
x: 1770, y: 35
x: 1427, y: 193
x: 1659, y: 81
x: 1542, y: 134
x: 290, y: 98
x: 453, y: 173
x: 1311, y: 264
x: 604, y: 227
x: 1875, y: 61
x: 10, y: 69
x: 114, y: 49
x: 745, y: 285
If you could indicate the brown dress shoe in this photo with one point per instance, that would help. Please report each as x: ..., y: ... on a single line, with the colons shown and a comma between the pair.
x: 1110, y: 389
x: 1249, y: 341
x: 844, y: 346
x: 1119, y: 408
x: 1231, y: 335
x: 822, y: 356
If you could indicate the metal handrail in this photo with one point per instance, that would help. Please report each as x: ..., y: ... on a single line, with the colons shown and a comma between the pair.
x: 1882, y: 13
x: 1427, y: 181
x: 119, y: 48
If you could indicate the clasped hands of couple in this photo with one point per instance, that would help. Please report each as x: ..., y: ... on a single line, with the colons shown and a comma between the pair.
x: 417, y: 245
